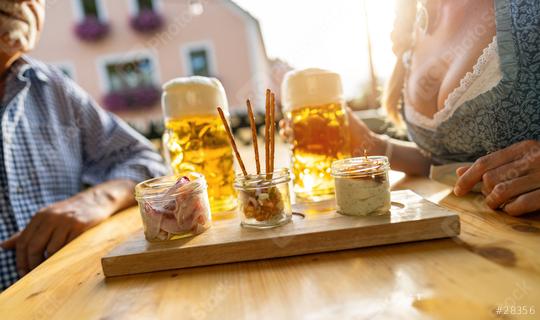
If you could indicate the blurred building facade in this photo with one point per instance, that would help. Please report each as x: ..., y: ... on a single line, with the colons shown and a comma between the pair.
x: 122, y: 51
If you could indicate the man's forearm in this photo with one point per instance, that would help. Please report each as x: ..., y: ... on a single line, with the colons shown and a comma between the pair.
x: 114, y: 195
x: 61, y: 222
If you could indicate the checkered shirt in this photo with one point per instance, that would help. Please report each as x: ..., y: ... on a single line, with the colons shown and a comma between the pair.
x: 55, y: 140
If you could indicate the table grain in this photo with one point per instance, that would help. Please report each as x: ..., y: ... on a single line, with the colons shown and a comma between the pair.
x: 494, y: 262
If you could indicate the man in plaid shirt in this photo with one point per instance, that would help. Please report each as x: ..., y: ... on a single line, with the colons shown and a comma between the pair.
x: 55, y: 140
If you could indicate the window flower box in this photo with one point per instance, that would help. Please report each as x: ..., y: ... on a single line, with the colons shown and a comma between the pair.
x: 91, y: 29
x: 132, y: 98
x: 147, y: 21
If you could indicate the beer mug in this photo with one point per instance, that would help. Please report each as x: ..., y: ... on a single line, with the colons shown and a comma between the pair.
x: 195, y: 139
x: 314, y: 105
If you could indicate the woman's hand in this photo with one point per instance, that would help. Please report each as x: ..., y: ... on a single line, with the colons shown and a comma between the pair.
x: 511, y: 178
x: 285, y: 130
x: 54, y: 226
x: 362, y: 138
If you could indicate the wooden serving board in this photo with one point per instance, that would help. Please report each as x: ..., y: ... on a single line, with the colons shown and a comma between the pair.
x: 322, y: 229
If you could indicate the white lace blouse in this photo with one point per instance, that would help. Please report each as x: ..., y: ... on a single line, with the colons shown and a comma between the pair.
x: 485, y: 75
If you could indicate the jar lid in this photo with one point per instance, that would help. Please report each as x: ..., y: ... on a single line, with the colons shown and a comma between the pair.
x: 360, y: 166
x: 159, y: 189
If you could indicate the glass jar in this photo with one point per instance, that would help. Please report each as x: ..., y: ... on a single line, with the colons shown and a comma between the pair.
x: 264, y: 200
x: 174, y: 207
x: 362, y: 186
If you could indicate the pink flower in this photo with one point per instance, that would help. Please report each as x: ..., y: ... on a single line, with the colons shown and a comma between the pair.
x: 91, y: 29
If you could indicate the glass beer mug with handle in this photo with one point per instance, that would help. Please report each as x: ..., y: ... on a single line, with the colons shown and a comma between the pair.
x: 314, y: 105
x: 195, y: 139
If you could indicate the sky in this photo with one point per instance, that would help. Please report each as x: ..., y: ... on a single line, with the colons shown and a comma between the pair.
x: 328, y: 34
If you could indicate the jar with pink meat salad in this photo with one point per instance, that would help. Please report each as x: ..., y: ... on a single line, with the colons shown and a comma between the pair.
x: 174, y: 207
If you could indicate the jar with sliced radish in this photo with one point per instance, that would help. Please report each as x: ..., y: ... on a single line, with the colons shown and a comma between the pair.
x: 174, y: 207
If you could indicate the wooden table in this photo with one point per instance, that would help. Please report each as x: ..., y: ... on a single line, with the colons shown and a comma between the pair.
x: 495, y: 262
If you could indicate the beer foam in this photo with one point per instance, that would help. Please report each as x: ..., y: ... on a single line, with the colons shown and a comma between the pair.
x: 191, y: 96
x: 310, y: 87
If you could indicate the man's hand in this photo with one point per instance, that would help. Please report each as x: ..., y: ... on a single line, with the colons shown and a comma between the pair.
x: 53, y: 227
x: 511, y: 178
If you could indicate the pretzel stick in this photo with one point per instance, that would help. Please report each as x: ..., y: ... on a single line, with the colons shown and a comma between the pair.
x: 254, y: 136
x: 272, y: 131
x: 267, y: 132
x: 231, y: 140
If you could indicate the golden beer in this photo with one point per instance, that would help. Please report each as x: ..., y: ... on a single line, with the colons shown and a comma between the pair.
x: 313, y: 99
x: 195, y: 139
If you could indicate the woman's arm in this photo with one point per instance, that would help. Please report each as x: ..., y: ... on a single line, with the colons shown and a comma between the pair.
x: 403, y: 156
